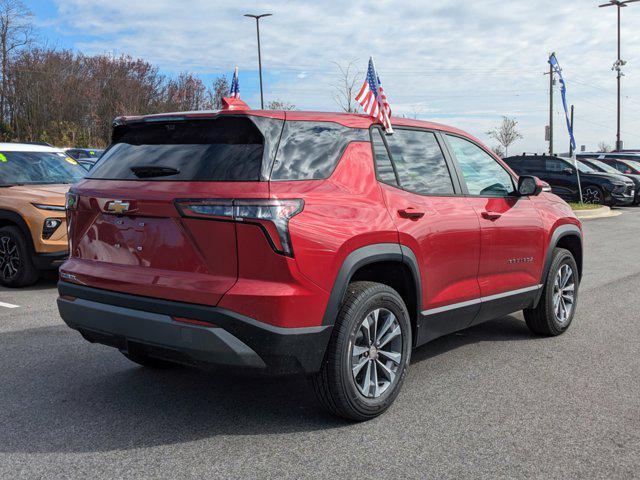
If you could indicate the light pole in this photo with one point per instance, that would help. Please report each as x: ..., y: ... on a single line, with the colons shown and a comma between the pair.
x: 619, y: 63
x: 258, y: 17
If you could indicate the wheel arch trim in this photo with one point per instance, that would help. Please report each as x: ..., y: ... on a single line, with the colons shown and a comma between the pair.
x: 367, y: 255
x: 17, y: 219
x: 560, y: 232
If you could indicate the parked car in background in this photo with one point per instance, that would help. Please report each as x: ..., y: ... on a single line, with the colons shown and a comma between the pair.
x: 602, y: 166
x: 623, y: 165
x: 597, y: 187
x: 87, y: 157
x: 33, y: 230
x: 309, y: 242
x: 624, y: 161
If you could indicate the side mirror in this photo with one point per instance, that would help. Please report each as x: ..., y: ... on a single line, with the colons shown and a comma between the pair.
x: 529, y: 186
x: 568, y: 171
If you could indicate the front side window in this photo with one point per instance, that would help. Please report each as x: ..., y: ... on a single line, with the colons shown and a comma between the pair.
x: 419, y: 162
x: 482, y: 173
x: 32, y: 168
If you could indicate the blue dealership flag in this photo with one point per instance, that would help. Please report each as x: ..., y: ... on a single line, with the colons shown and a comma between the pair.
x: 563, y: 90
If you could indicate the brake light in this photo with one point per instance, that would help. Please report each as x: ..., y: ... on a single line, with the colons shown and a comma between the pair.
x: 271, y: 215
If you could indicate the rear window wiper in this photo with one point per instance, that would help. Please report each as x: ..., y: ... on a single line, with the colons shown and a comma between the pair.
x: 148, y: 171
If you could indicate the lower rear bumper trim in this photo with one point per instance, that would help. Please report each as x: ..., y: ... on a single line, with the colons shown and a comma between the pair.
x: 120, y: 320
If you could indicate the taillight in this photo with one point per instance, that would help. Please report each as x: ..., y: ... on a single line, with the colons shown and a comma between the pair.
x: 271, y: 215
x: 71, y: 201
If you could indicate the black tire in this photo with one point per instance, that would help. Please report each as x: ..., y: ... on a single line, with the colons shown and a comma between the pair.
x: 593, y: 195
x: 543, y: 319
x: 16, y: 265
x: 150, y: 362
x: 335, y: 385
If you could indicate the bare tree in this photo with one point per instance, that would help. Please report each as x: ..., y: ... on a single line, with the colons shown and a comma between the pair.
x: 604, y: 147
x: 506, y: 133
x: 218, y: 91
x: 16, y: 31
x: 346, y: 87
x: 280, y: 105
x: 498, y: 150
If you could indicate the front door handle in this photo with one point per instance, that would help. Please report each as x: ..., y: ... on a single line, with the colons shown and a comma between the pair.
x: 410, y: 213
x: 491, y: 215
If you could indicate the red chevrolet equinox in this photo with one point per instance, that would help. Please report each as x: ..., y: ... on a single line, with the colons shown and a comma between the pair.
x: 314, y: 243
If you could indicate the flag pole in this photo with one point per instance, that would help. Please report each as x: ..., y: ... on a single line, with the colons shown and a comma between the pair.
x: 380, y: 106
x: 575, y: 165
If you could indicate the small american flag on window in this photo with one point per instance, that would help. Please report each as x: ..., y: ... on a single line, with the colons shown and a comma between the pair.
x: 234, y: 92
x: 373, y: 99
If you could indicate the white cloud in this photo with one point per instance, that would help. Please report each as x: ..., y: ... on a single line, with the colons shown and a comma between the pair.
x: 465, y: 62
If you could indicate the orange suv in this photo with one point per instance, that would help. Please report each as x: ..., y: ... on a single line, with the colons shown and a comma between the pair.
x: 33, y: 231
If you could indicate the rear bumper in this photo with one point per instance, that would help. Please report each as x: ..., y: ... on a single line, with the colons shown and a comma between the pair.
x: 130, y: 322
x: 47, y: 261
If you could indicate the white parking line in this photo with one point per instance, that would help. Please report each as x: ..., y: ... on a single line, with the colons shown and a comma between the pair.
x: 8, y: 305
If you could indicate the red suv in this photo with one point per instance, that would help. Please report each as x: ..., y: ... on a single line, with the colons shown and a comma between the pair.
x: 308, y: 242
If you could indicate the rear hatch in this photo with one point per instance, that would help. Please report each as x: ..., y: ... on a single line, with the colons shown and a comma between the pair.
x: 129, y: 231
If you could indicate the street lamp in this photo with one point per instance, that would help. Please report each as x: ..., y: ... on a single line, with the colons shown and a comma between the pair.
x: 258, y: 17
x: 619, y: 63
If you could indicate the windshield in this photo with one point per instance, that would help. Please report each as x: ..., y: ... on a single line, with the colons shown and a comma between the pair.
x: 19, y: 168
x: 603, y: 166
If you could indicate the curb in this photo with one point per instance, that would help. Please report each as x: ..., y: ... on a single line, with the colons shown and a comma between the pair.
x: 602, y: 212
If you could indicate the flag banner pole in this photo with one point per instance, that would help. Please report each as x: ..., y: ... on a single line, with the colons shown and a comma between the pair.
x: 553, y: 61
x: 575, y: 165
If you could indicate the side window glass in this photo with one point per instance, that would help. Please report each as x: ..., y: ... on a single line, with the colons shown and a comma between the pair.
x: 311, y: 150
x: 419, y: 162
x: 555, y: 166
x: 482, y: 173
x: 619, y: 166
x: 384, y: 169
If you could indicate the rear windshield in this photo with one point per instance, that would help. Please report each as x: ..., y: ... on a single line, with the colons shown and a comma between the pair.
x: 36, y: 168
x: 222, y: 149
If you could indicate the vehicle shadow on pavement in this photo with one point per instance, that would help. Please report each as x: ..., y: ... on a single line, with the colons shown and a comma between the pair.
x: 509, y: 328
x: 61, y: 394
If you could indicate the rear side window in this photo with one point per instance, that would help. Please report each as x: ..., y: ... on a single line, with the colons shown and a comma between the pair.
x: 223, y: 149
x: 419, y: 162
x: 311, y: 150
x: 555, y: 165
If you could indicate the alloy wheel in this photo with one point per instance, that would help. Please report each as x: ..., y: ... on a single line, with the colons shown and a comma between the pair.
x: 376, y: 353
x: 9, y: 257
x: 564, y: 293
x: 592, y: 195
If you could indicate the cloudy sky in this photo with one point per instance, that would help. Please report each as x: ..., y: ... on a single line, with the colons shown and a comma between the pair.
x: 465, y: 63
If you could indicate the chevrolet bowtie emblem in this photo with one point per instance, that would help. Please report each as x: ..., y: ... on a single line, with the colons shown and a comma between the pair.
x: 117, y: 206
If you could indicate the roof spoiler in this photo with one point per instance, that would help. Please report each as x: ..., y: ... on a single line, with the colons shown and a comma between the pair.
x: 230, y: 103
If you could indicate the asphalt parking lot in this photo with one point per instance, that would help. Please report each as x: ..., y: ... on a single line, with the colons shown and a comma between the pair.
x: 489, y: 402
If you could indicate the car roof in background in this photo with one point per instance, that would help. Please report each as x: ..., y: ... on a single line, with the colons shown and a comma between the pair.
x: 28, y: 147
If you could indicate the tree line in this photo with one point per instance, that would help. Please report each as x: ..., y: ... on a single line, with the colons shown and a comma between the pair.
x: 67, y: 98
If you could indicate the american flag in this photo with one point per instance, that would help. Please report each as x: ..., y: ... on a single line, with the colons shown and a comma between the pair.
x: 373, y: 99
x: 235, y: 86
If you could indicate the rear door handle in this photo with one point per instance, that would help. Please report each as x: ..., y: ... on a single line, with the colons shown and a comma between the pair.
x: 410, y: 213
x: 491, y: 215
